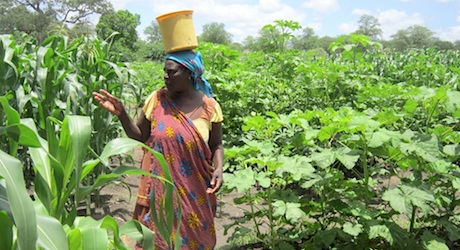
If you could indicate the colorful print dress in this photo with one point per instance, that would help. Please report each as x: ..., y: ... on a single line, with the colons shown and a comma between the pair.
x: 189, y: 159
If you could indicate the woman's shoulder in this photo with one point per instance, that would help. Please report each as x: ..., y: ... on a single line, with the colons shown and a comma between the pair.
x: 212, y: 109
x: 209, y: 100
x: 151, y: 102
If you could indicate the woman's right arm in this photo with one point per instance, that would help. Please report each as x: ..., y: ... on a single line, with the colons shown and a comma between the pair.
x: 139, y: 131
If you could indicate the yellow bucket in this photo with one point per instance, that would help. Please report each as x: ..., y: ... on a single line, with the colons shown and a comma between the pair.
x: 177, y: 31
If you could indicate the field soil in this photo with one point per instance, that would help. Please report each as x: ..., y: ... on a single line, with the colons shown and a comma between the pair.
x: 118, y: 200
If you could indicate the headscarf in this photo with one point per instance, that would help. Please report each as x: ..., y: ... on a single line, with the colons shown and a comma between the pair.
x: 194, y: 62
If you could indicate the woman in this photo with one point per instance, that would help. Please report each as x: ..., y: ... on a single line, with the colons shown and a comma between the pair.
x: 183, y: 122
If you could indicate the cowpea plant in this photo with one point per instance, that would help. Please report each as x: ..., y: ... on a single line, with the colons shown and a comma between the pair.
x: 321, y: 179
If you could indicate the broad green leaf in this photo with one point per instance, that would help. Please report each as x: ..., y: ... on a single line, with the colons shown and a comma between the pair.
x: 425, y: 146
x: 380, y: 137
x: 418, y: 197
x: 21, y: 206
x: 456, y: 183
x: 297, y: 167
x: 433, y: 242
x: 242, y: 180
x: 452, y: 229
x: 397, y: 201
x: 88, y: 166
x: 452, y: 149
x: 86, y: 222
x: 326, y: 132
x: 109, y: 222
x: 388, y: 117
x: 403, y: 197
x: 139, y: 232
x: 4, y: 204
x: 116, y: 147
x: 51, y: 235
x: 115, y: 175
x: 39, y: 155
x: 353, y: 229
x: 75, y: 239
x: 280, y: 208
x: 66, y: 155
x: 410, y: 106
x: 440, y: 167
x: 376, y: 139
x: 263, y: 179
x: 347, y: 157
x: 6, y: 231
x: 294, y: 213
x: 80, y: 128
x: 312, y: 180
x: 363, y: 123
x: 381, y: 231
x: 94, y: 238
x: 23, y: 135
x: 328, y: 236
x: 324, y: 158
x: 11, y: 114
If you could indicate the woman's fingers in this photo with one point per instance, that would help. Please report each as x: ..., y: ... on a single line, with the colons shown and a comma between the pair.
x: 214, y: 186
x: 108, y: 101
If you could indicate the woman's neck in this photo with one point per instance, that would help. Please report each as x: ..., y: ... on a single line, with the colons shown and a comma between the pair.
x: 184, y: 95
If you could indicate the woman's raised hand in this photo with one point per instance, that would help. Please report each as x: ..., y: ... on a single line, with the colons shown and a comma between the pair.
x: 109, y: 102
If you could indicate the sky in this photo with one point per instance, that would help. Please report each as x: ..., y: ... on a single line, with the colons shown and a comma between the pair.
x: 242, y: 18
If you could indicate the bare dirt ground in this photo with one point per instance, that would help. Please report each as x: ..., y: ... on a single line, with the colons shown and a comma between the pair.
x: 118, y: 200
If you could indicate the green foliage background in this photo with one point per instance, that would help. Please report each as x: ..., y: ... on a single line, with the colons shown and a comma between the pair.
x: 312, y: 139
x: 358, y: 149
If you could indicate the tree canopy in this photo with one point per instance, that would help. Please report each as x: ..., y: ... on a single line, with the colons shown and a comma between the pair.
x: 37, y: 17
x: 369, y: 26
x: 415, y: 36
x: 153, y: 32
x: 123, y: 22
x: 215, y: 33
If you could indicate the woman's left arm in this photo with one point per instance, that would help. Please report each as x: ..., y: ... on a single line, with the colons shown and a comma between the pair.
x: 217, y: 149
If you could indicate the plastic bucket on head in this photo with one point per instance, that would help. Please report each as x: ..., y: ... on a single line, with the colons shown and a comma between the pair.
x: 177, y: 31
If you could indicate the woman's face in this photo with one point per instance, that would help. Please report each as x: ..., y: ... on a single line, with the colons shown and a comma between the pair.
x: 177, y: 77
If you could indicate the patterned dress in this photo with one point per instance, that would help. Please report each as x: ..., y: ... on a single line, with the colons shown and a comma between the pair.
x: 189, y: 159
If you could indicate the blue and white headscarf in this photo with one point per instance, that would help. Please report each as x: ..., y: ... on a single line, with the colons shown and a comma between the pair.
x: 194, y: 62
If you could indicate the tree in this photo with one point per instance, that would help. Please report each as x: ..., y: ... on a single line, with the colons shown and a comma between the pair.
x: 82, y: 29
x: 66, y: 11
x: 153, y: 32
x: 325, y: 41
x: 307, y: 40
x: 457, y: 45
x: 443, y: 45
x: 215, y: 33
x: 249, y: 43
x: 369, y: 26
x: 123, y: 22
x: 36, y: 17
x: 415, y: 36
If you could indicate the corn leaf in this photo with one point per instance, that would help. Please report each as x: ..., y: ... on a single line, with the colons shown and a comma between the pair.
x: 6, y: 230
x: 51, y: 235
x: 94, y: 238
x: 134, y: 229
x: 21, y: 206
